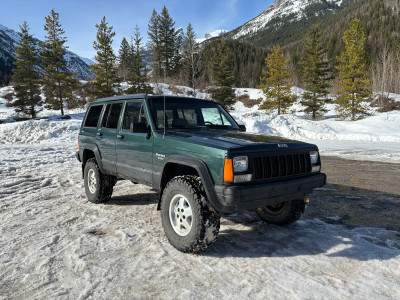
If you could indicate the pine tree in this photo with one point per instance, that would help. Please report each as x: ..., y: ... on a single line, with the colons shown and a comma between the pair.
x: 26, y: 74
x: 352, y: 74
x: 177, y: 57
x: 59, y: 83
x: 138, y: 71
x: 164, y: 44
x: 222, y: 74
x: 315, y: 74
x: 274, y: 82
x: 105, y: 67
x: 190, y: 57
x: 168, y: 39
x: 154, y: 44
x: 124, y: 56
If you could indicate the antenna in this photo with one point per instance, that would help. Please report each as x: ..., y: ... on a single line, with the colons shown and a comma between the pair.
x: 164, y: 117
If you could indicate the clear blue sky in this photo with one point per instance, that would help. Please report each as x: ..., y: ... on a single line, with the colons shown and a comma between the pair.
x: 78, y: 18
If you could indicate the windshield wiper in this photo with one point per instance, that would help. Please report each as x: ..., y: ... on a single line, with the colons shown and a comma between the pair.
x: 216, y: 126
x: 189, y: 127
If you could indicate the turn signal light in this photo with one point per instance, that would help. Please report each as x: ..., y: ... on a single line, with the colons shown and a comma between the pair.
x: 228, y: 170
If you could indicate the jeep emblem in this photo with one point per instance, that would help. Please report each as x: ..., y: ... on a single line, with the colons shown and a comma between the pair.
x: 282, y: 146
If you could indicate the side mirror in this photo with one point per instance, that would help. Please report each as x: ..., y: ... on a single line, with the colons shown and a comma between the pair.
x: 242, y: 128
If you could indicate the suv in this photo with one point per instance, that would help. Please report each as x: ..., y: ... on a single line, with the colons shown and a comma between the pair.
x: 199, y: 159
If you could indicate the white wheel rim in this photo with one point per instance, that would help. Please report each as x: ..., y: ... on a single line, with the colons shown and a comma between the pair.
x: 92, y: 182
x: 180, y: 215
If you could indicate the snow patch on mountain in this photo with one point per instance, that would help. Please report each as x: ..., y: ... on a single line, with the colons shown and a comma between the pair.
x: 9, y: 38
x: 212, y: 34
x: 279, y: 9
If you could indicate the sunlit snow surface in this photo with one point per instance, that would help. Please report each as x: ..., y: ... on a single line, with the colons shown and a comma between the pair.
x: 56, y: 244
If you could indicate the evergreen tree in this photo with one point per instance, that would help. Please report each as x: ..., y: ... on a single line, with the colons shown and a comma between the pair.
x: 124, y: 60
x: 59, y: 83
x: 105, y: 67
x: 274, y: 82
x: 222, y: 74
x: 26, y: 75
x: 138, y: 70
x: 154, y: 44
x: 315, y: 72
x: 352, y: 74
x: 190, y: 57
x: 177, y: 58
x: 164, y: 44
x: 168, y: 39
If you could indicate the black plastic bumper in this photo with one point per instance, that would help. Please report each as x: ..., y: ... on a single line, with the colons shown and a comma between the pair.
x: 78, y: 157
x: 244, y: 197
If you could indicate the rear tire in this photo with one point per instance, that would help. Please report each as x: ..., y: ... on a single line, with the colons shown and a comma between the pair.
x: 190, y: 223
x: 98, y: 186
x: 283, y: 213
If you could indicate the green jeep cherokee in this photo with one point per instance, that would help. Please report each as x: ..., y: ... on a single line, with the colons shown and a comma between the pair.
x: 199, y: 159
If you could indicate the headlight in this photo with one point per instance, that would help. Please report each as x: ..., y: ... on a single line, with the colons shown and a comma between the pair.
x: 240, y: 164
x: 314, y: 157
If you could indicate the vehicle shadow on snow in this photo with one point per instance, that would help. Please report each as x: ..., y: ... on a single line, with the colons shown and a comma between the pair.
x: 243, y: 235
x: 134, y: 199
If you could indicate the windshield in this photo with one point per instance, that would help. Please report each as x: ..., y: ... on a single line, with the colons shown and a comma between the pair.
x: 182, y: 113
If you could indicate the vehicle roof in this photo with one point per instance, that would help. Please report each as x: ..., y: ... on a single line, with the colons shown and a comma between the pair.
x: 145, y: 96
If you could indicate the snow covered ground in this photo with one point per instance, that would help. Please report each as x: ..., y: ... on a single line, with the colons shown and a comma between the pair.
x: 375, y: 138
x: 56, y: 244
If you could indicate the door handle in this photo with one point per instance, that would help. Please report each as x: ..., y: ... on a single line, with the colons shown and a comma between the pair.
x: 120, y: 136
x: 99, y: 134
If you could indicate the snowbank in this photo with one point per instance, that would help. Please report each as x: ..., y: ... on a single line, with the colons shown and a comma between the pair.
x: 35, y: 131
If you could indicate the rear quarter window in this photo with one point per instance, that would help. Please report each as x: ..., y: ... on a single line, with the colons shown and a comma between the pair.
x: 93, y: 116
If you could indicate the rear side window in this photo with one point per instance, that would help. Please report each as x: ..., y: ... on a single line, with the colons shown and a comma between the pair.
x: 134, y: 118
x: 93, y: 116
x: 111, y: 116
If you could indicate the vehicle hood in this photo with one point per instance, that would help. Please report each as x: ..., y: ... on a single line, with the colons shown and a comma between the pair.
x: 231, y: 140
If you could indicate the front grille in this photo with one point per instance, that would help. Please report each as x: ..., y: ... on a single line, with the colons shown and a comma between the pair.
x: 278, y: 166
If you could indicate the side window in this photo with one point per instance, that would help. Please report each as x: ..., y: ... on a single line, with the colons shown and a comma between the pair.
x: 186, y: 114
x: 134, y: 118
x: 168, y: 118
x: 93, y: 116
x: 111, y: 116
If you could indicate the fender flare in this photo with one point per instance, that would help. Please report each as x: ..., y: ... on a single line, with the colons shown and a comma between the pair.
x: 97, y: 155
x: 202, y: 169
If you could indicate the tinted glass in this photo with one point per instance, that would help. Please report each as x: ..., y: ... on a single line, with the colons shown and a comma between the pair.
x: 93, y: 116
x: 111, y: 116
x: 189, y: 113
x: 134, y: 118
x: 105, y: 116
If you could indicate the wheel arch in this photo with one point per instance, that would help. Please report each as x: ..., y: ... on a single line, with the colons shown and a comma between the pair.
x: 88, y: 153
x: 181, y: 165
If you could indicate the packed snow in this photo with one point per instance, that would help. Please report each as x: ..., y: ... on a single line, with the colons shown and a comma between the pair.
x: 56, y: 244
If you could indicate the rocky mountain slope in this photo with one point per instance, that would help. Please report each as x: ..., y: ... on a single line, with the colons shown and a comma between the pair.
x: 8, y: 40
x: 286, y: 19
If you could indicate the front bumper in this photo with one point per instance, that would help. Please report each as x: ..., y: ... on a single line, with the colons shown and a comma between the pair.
x: 78, y: 156
x: 232, y: 198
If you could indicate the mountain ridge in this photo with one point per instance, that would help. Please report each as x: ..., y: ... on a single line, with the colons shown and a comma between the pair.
x: 285, y: 16
x: 8, y: 41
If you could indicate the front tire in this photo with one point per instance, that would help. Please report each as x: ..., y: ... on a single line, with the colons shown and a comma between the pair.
x: 98, y: 186
x: 190, y: 223
x: 283, y: 213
